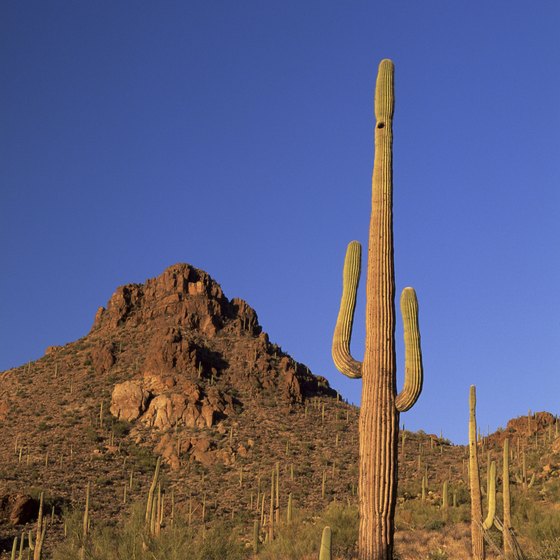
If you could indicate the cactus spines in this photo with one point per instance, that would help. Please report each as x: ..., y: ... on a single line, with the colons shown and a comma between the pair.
x: 326, y: 546
x: 477, y: 538
x: 380, y: 406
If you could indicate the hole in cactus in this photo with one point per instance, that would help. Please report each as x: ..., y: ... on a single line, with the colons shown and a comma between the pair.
x: 381, y: 125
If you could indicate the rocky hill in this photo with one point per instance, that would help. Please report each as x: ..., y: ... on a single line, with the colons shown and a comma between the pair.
x: 172, y: 368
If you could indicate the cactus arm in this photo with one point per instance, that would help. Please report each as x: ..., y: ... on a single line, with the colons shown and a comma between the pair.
x: 413, y: 375
x: 343, y: 330
x: 489, y: 521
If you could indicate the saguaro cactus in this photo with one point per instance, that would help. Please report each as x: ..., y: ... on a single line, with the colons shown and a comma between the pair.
x: 508, y: 545
x: 380, y: 407
x: 477, y: 538
x: 325, y: 552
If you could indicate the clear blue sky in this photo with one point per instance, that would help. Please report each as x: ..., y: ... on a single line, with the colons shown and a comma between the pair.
x: 237, y: 136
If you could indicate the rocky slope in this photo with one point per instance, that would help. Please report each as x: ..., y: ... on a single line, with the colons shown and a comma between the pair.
x: 170, y: 368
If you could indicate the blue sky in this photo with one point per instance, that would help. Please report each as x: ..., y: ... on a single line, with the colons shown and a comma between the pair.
x: 238, y: 137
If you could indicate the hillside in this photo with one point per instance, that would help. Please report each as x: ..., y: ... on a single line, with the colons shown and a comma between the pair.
x: 173, y: 368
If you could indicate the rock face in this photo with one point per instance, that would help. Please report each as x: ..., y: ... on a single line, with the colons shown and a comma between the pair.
x: 203, y: 357
x: 187, y: 405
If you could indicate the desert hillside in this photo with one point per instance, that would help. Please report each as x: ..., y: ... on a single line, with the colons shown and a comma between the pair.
x: 174, y: 369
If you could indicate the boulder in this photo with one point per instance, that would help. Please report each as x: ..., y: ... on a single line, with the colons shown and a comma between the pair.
x: 18, y: 508
x: 129, y: 400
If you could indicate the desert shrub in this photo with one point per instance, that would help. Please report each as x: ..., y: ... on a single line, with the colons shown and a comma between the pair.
x: 435, y: 524
x: 302, y: 538
x: 344, y: 523
x: 548, y: 550
x: 130, y: 541
x: 121, y: 428
x: 294, y: 541
x: 438, y: 554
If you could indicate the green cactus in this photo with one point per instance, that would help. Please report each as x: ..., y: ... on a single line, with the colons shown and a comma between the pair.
x: 489, y: 521
x: 14, y: 549
x: 271, y: 515
x: 37, y: 547
x: 85, y: 524
x: 477, y: 537
x: 325, y: 553
x: 381, y: 405
x: 289, y: 510
x: 523, y: 480
x: 256, y: 536
x: 478, y: 525
x: 150, y: 500
x: 506, y: 531
x: 445, y: 495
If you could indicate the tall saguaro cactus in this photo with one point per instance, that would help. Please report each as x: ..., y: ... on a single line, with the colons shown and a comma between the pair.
x: 477, y: 537
x: 380, y: 407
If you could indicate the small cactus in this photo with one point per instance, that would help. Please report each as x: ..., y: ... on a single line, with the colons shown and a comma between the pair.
x: 445, y: 495
x: 14, y: 549
x: 289, y: 510
x: 325, y: 553
x: 256, y: 536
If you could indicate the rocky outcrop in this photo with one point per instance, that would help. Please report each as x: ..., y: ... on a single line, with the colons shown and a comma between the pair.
x: 183, y: 292
x: 156, y: 405
x: 52, y: 350
x: 102, y: 357
x: 198, y: 350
